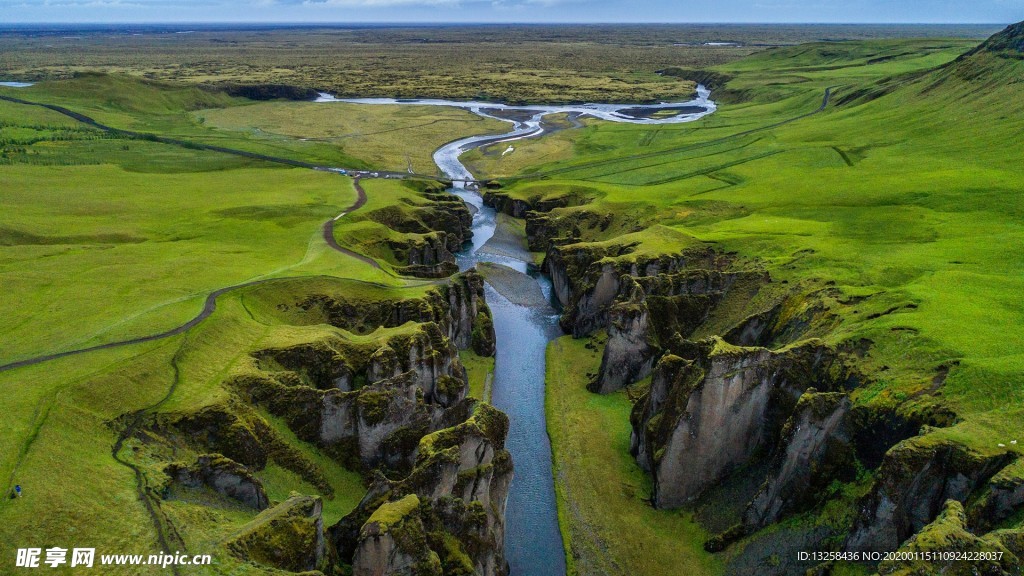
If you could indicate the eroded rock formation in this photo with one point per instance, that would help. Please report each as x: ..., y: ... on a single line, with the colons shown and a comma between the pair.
x: 224, y: 476
x: 382, y: 392
x: 719, y: 408
x: 446, y: 516
x: 432, y: 231
x: 914, y: 482
x: 289, y: 536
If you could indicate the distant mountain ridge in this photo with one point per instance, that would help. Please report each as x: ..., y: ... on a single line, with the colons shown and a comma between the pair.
x: 1010, y: 42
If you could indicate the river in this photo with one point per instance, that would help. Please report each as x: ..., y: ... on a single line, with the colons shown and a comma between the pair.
x: 533, y: 542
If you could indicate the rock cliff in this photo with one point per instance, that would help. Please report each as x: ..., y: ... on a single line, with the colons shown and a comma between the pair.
x: 631, y: 348
x: 224, y: 476
x: 289, y: 536
x: 432, y: 227
x: 915, y: 480
x: 446, y: 516
x: 458, y: 307
x: 429, y: 255
x: 814, y: 449
x: 948, y: 536
x: 719, y: 408
x: 414, y: 382
x: 374, y: 384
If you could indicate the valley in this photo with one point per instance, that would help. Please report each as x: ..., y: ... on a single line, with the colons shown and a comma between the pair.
x: 701, y: 346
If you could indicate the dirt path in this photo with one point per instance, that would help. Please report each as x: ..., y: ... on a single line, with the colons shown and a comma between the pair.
x: 329, y: 227
x: 210, y: 305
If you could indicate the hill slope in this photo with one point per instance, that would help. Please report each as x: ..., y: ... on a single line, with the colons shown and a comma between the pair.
x: 884, y: 230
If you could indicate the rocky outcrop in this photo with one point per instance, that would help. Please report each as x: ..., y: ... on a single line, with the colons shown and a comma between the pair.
x: 443, y: 213
x: 368, y: 404
x: 394, y: 541
x: 1001, y: 497
x: 587, y: 280
x: 814, y: 449
x: 542, y: 201
x: 316, y: 364
x: 416, y: 388
x: 468, y: 320
x: 651, y: 311
x: 915, y: 480
x: 271, y: 92
x: 433, y: 230
x: 428, y: 355
x: 224, y: 476
x: 289, y: 536
x: 218, y: 429
x: 446, y: 516
x: 711, y: 412
x: 630, y: 352
x: 457, y: 307
x: 584, y: 287
x: 425, y: 256
x: 502, y: 202
x: 391, y: 404
x: 946, y: 538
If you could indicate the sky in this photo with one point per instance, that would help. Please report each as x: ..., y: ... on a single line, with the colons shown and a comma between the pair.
x: 513, y: 11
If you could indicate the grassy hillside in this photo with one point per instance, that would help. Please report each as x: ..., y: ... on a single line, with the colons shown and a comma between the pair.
x: 901, y: 199
x: 66, y: 415
x: 110, y: 238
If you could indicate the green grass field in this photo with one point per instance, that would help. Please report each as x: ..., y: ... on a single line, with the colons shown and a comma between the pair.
x: 98, y: 254
x: 399, y: 138
x: 335, y: 134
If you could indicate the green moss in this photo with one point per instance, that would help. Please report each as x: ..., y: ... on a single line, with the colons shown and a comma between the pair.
x: 949, y: 534
x: 374, y: 406
x: 286, y: 536
x: 392, y: 513
x: 456, y: 561
x: 483, y: 334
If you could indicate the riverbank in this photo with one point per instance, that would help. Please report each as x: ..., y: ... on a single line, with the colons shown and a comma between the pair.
x: 607, y: 522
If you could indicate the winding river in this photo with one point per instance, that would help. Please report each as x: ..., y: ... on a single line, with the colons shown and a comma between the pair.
x: 533, y: 542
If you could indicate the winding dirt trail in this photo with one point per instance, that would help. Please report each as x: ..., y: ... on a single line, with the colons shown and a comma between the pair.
x: 329, y: 227
x: 210, y: 305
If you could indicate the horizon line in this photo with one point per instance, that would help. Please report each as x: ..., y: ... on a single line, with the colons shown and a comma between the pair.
x: 479, y: 23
